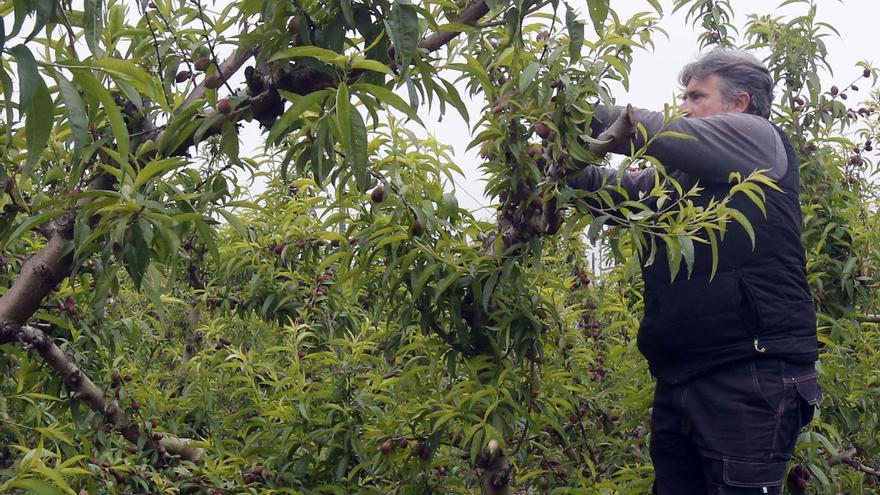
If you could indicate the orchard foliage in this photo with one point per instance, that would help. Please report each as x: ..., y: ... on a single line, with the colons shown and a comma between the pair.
x: 321, y: 316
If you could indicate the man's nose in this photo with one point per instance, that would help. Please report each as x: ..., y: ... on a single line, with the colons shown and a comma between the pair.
x: 685, y: 107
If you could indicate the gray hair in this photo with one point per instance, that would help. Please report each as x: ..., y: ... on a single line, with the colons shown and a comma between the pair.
x: 740, y: 72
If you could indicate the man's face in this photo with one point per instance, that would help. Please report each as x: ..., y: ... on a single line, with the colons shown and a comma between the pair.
x: 703, y: 97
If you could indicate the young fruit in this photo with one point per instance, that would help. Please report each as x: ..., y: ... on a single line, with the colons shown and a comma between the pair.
x: 535, y: 151
x: 866, y: 72
x: 202, y: 64
x: 543, y: 130
x: 387, y: 447
x: 224, y: 106
x: 420, y: 450
x: 213, y: 81
x: 279, y: 248
x: 182, y: 76
x: 417, y: 228
x: 378, y: 194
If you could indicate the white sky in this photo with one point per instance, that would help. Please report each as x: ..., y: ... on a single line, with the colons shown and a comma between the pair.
x: 654, y: 74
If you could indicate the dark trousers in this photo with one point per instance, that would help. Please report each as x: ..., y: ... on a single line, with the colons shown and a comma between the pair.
x: 732, y: 430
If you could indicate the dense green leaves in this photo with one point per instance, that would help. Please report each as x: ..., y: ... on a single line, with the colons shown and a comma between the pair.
x: 242, y: 289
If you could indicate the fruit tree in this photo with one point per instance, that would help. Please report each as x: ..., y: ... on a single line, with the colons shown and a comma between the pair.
x: 182, y: 315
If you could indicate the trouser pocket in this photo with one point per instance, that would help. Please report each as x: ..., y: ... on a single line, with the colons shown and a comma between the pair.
x: 810, y: 393
x: 750, y: 477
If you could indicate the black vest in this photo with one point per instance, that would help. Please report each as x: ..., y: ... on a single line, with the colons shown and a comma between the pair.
x: 758, y: 303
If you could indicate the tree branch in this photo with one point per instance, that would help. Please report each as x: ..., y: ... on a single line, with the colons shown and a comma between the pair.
x: 40, y: 273
x: 472, y: 13
x: 84, y: 389
x: 227, y: 68
x: 848, y: 457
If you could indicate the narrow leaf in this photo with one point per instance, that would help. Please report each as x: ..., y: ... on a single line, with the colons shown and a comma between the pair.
x: 357, y: 156
x: 76, y: 113
x: 343, y: 116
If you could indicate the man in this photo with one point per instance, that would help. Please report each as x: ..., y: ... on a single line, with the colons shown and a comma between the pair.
x: 733, y: 356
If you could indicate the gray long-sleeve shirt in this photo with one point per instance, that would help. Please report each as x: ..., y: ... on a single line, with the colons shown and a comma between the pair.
x: 723, y: 143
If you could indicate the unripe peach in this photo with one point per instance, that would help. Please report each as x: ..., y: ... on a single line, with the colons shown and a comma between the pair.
x: 224, y: 106
x: 213, y: 81
x: 202, y: 64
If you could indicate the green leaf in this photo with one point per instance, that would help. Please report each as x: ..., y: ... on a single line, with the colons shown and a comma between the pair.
x: 742, y: 220
x: 38, y: 124
x: 135, y: 254
x: 347, y: 13
x: 575, y: 34
x: 405, y: 32
x: 236, y: 222
x: 598, y: 13
x: 155, y: 168
x: 389, y: 97
x: 32, y: 485
x: 300, y: 105
x: 114, y: 114
x: 687, y: 250
x: 343, y: 116
x: 357, y: 156
x: 28, y: 77
x: 76, y: 113
x: 93, y: 25
x: 527, y: 77
x: 373, y: 65
x: 45, y: 14
x: 673, y: 254
x: 322, y: 54
x: 229, y: 140
x: 6, y: 81
x: 713, y: 245
x: 30, y: 223
x: 130, y: 72
x: 596, y: 227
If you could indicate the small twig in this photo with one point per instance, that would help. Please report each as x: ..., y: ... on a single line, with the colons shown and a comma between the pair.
x: 848, y: 457
x: 211, y: 46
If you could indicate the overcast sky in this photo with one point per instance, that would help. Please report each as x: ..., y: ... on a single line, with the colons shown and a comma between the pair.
x: 654, y: 74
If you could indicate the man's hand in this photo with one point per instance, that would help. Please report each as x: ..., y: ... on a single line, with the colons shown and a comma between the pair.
x: 622, y: 128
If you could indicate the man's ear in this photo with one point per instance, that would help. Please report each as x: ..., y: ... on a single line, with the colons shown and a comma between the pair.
x: 741, y: 102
